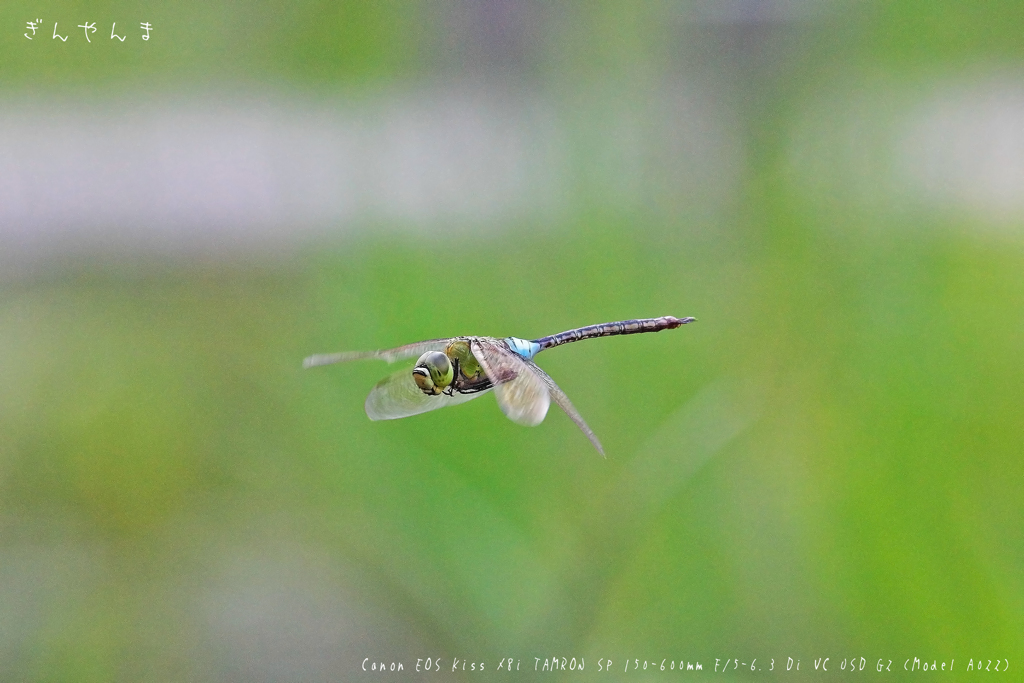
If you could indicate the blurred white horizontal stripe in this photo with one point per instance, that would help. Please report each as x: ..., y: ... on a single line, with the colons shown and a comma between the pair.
x: 953, y: 148
x: 963, y: 148
x: 228, y: 168
x: 755, y: 11
x: 193, y: 175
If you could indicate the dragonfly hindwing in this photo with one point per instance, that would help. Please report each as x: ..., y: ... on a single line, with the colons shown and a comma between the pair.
x: 521, y: 393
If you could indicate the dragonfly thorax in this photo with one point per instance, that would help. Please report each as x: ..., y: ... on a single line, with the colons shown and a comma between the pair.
x: 433, y: 373
x: 467, y: 367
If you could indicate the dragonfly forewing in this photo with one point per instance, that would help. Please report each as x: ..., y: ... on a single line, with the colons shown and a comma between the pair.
x: 390, y: 355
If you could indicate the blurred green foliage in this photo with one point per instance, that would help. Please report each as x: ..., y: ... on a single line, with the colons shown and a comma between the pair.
x: 827, y: 464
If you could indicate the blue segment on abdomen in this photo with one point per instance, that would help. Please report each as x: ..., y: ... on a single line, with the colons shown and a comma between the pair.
x: 526, y: 349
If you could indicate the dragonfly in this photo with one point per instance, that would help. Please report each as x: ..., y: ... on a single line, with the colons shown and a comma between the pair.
x: 458, y: 369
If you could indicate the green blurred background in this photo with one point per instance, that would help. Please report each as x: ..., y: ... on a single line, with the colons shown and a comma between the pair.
x: 827, y: 464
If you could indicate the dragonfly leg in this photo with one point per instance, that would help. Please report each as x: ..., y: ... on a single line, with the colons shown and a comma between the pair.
x: 458, y: 373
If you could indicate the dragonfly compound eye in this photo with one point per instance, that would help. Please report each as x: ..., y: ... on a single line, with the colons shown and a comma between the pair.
x: 433, y: 372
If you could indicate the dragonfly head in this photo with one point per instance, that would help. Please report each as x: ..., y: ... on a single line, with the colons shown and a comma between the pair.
x: 433, y: 373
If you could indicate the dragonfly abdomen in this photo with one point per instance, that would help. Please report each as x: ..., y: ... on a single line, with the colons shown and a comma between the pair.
x: 611, y: 329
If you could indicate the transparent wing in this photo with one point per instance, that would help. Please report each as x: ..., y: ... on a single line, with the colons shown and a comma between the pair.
x: 524, y: 391
x: 398, y: 396
x: 521, y: 394
x: 565, y: 404
x: 390, y: 355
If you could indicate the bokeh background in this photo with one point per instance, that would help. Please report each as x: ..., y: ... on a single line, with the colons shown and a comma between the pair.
x: 827, y: 464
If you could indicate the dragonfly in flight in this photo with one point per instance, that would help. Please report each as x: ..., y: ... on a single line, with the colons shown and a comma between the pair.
x: 458, y: 369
